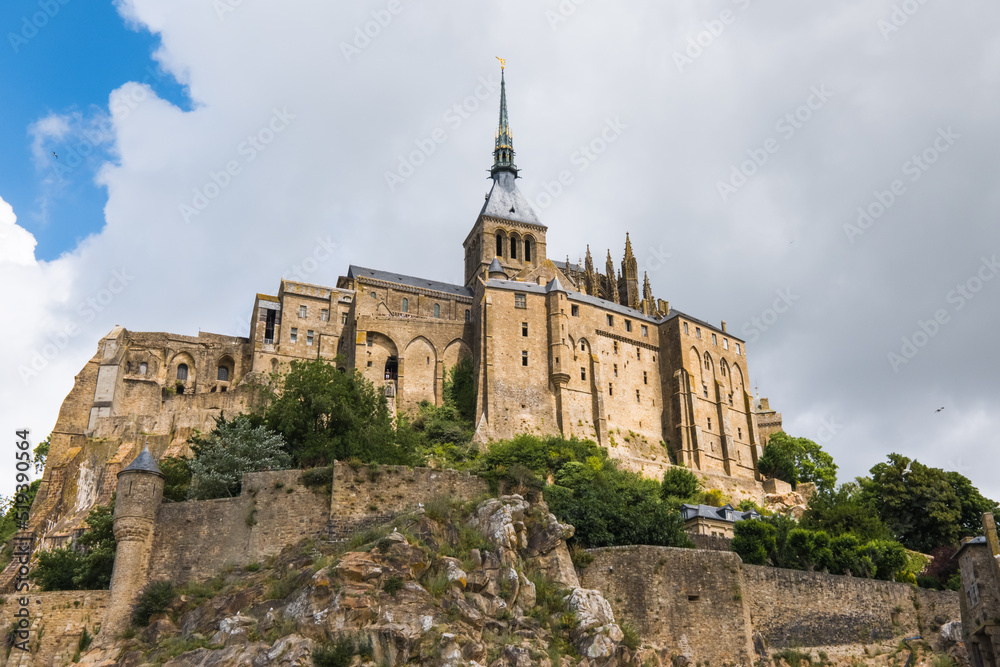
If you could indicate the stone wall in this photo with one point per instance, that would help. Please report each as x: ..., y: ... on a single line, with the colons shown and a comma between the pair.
x: 711, y: 607
x: 689, y: 601
x: 57, y: 623
x: 197, y: 539
x: 794, y: 608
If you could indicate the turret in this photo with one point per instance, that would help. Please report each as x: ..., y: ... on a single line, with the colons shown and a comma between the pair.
x: 140, y: 491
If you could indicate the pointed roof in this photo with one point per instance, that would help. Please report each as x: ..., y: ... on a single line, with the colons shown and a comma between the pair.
x: 143, y: 463
x: 505, y: 201
x: 554, y: 286
x: 503, y: 151
x: 496, y: 268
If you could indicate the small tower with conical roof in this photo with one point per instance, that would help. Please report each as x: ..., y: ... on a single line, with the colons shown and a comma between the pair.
x: 140, y: 492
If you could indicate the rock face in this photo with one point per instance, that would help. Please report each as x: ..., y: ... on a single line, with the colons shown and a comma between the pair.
x: 470, y: 589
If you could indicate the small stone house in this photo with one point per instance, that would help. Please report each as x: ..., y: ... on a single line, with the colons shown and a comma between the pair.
x: 714, y: 521
x: 979, y: 596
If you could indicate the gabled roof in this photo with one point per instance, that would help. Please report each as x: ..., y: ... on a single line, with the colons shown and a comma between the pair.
x: 506, y: 201
x: 360, y: 272
x: 143, y: 463
x: 717, y: 513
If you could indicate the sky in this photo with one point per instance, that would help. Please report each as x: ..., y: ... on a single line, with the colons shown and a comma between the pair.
x: 821, y: 176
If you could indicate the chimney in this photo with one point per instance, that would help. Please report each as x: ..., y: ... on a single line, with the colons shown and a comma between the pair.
x: 723, y: 326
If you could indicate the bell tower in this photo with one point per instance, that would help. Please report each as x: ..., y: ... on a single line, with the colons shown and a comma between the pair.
x: 507, y: 228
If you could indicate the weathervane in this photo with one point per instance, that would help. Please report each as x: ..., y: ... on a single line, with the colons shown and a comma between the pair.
x: 503, y: 61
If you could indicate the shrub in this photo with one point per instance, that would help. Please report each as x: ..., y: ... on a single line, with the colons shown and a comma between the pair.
x: 754, y: 541
x: 88, y: 566
x: 631, y: 638
x: 393, y: 585
x: 154, y: 599
x: 679, y: 482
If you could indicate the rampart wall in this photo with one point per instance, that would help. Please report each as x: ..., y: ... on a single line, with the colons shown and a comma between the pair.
x: 712, y: 608
x: 57, y: 623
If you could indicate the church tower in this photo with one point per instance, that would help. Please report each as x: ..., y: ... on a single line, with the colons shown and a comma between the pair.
x: 508, y: 228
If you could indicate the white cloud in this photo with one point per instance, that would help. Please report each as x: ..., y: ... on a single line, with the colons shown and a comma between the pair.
x: 348, y: 123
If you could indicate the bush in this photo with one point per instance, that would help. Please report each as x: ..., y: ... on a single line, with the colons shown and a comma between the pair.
x: 679, y: 482
x: 754, y: 541
x: 631, y: 638
x: 88, y: 566
x: 393, y: 585
x: 338, y: 654
x: 154, y: 599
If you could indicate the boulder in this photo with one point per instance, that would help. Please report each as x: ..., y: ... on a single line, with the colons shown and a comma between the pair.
x: 596, y: 634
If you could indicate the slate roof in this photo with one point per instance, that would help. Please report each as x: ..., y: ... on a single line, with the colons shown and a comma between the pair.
x: 689, y: 512
x: 144, y: 463
x: 360, y: 272
x: 495, y: 267
x: 506, y: 201
x: 981, y: 539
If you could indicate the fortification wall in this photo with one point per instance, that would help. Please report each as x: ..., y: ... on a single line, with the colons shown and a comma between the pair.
x: 709, y: 606
x: 686, y: 600
x: 367, y: 495
x: 57, y: 623
x: 794, y: 608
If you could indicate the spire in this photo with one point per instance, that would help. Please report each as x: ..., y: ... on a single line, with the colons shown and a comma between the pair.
x: 503, y: 152
x: 630, y: 275
x: 612, y: 280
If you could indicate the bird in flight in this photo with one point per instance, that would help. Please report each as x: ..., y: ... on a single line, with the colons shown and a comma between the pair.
x: 54, y: 155
x: 939, y: 409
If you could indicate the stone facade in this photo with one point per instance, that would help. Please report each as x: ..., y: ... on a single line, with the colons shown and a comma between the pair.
x: 58, y: 620
x: 980, y: 595
x: 714, y: 609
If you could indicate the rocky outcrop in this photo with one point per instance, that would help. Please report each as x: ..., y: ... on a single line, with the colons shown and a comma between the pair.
x: 470, y: 589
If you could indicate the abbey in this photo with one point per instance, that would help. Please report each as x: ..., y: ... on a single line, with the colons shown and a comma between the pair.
x: 556, y: 347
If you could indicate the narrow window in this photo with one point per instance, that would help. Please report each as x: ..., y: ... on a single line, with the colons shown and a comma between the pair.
x: 437, y: 310
x: 302, y: 311
x: 685, y: 327
x: 704, y: 390
x: 583, y: 373
x: 182, y: 372
x: 708, y: 362
x: 628, y: 325
x: 730, y: 399
x: 616, y: 370
x: 637, y: 399
x: 645, y: 379
x: 513, y: 248
x: 324, y: 315
x: 343, y: 318
x: 715, y: 341
x: 142, y: 368
x: 406, y: 305
x: 369, y: 339
x: 739, y: 433
x: 611, y: 320
x: 583, y: 347
x: 527, y: 250
x: 638, y: 354
x: 611, y: 389
x: 223, y: 374
x: 697, y: 332
x: 737, y: 348
x: 269, y: 322
x: 524, y: 358
x: 645, y: 330
x: 274, y: 365
x: 524, y: 329
x: 574, y: 311
x: 369, y: 363
x: 709, y: 423
x: 616, y: 347
x: 468, y: 315
x: 499, y: 246
x: 725, y: 343
x: 295, y: 335
x: 428, y: 361
x: 520, y: 300
x: 309, y: 337
x: 373, y: 295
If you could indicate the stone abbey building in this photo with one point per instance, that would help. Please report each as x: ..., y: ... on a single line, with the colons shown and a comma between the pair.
x: 556, y: 347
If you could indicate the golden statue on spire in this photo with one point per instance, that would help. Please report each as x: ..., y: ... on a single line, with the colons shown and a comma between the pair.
x: 503, y: 62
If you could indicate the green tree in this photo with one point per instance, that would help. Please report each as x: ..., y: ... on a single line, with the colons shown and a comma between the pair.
x: 460, y: 389
x: 844, y: 511
x: 681, y: 483
x: 326, y: 414
x: 177, y: 478
x: 87, y: 567
x: 754, y: 541
x: 917, y: 503
x: 796, y: 460
x: 9, y: 521
x: 41, y: 452
x: 971, y: 504
x: 231, y: 450
x: 808, y: 549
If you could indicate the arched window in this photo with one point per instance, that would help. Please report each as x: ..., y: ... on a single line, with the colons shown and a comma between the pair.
x: 182, y: 372
x: 437, y: 310
x: 527, y: 250
x: 708, y: 362
x: 468, y: 315
x: 499, y: 245
x: 722, y: 368
x: 143, y: 368
x: 274, y: 365
x: 406, y: 305
x: 223, y: 374
x: 514, y: 242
